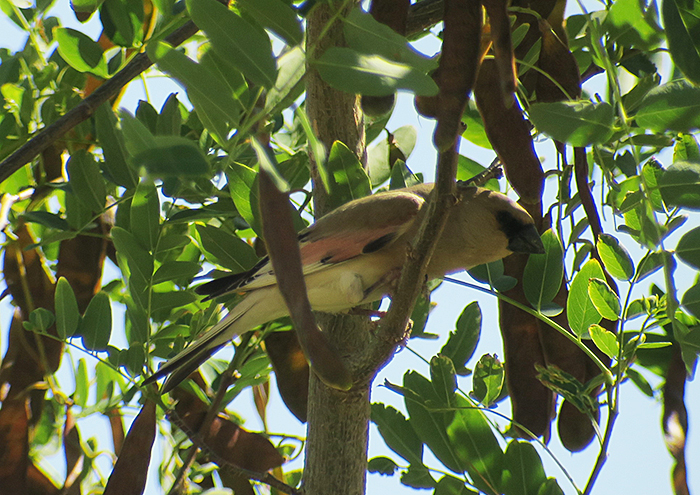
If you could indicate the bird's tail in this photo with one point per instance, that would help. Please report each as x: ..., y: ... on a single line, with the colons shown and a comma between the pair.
x: 190, y: 358
x: 258, y: 307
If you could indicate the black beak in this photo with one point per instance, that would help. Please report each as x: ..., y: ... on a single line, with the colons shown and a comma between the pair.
x: 527, y: 240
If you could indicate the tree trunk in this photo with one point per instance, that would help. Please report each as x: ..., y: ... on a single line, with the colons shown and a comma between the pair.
x: 336, y: 448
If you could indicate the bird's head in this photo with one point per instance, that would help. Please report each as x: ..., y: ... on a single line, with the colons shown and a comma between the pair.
x: 486, y: 226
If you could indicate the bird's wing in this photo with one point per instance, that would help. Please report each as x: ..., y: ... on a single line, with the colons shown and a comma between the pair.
x: 359, y: 227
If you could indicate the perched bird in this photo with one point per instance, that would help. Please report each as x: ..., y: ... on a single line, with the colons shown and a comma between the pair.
x: 354, y: 254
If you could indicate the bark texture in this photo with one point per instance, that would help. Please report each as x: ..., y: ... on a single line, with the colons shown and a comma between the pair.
x: 336, y: 448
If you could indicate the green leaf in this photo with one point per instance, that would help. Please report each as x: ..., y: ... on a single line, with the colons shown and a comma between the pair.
x: 401, y: 176
x: 139, y: 261
x: 366, y: 35
x: 682, y: 22
x: 291, y: 69
x: 85, y: 8
x: 137, y: 137
x: 241, y: 182
x: 268, y: 163
x: 176, y: 270
x: 122, y: 21
x: 673, y: 106
x: 378, y: 162
x: 605, y: 340
x: 145, y: 214
x: 475, y: 444
x: 524, y: 471
x: 348, y: 179
x: 688, y: 248
x: 229, y: 250
x: 544, y: 272
x: 86, y: 181
x: 616, y: 259
x: 317, y: 148
x: 550, y: 487
x: 691, y: 300
x: 40, y: 320
x: 462, y: 341
x: 686, y: 149
x: 382, y: 465
x: 238, y: 42
x: 164, y: 302
x: 442, y: 376
x: 604, y: 299
x: 398, y: 433
x: 96, y: 325
x: 578, y: 123
x: 169, y: 118
x: 47, y: 219
x: 488, y: 380
x: 680, y: 185
x: 172, y: 156
x: 580, y: 309
x: 82, y: 384
x: 211, y: 97
x: 418, y: 476
x: 494, y: 275
x: 67, y: 313
x: 430, y: 425
x: 81, y: 52
x: 628, y: 25
x: 468, y: 169
x: 372, y: 75
x: 449, y: 485
x: 275, y: 15
x: 113, y: 148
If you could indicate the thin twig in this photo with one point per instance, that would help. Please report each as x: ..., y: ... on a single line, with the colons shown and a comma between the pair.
x: 212, y: 413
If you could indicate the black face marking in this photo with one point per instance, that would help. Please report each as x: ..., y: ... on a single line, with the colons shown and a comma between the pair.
x: 510, y: 225
x: 326, y: 259
x: 379, y: 243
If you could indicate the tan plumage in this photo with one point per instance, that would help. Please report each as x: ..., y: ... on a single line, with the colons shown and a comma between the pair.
x: 352, y: 256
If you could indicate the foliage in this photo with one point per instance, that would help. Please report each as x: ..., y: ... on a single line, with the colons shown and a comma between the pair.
x: 170, y: 194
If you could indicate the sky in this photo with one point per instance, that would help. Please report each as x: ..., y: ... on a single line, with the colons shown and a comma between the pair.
x: 638, y: 461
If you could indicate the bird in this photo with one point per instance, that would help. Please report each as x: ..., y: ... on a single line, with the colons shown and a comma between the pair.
x: 354, y: 254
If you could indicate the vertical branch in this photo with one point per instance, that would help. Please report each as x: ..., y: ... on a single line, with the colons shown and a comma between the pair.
x: 338, y: 421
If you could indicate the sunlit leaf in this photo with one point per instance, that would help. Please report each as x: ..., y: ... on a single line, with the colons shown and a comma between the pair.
x: 615, y: 257
x: 605, y: 340
x: 580, y: 309
x: 354, y: 72
x: 236, y: 40
x: 578, y: 123
x: 275, y: 15
x: 680, y: 185
x: 81, y: 52
x: 606, y: 302
x: 348, y: 179
x: 673, y: 106
x: 682, y: 21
